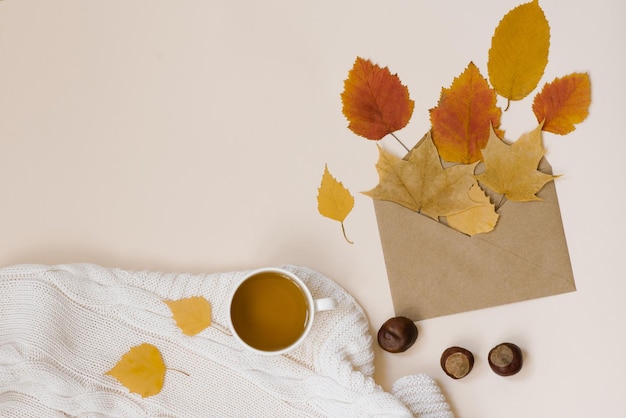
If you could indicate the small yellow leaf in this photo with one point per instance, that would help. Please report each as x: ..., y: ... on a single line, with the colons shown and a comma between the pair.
x: 477, y: 219
x: 192, y: 315
x: 334, y: 201
x: 141, y: 370
x: 519, y: 51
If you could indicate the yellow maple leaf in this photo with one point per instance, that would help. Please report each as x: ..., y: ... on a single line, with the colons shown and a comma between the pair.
x: 334, y: 201
x: 141, y: 370
x: 421, y: 183
x: 519, y: 51
x: 511, y: 170
x: 478, y: 219
x: 192, y: 315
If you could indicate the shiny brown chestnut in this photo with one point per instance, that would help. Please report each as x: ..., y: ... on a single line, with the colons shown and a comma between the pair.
x: 397, y: 334
x: 505, y: 359
x: 457, y: 362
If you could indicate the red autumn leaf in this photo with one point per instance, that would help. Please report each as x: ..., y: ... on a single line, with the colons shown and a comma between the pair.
x: 374, y: 101
x: 462, y: 120
x: 563, y: 103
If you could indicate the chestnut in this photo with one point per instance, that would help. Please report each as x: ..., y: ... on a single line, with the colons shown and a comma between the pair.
x: 397, y: 334
x: 505, y: 359
x: 457, y: 362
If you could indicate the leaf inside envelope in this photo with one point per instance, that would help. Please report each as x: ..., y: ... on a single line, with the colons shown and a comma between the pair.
x: 192, y: 315
x: 462, y: 120
x: 422, y: 184
x: 141, y: 370
x: 511, y: 170
x: 478, y: 219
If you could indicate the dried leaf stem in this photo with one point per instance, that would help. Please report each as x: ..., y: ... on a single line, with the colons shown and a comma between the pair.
x: 343, y: 229
x: 398, y: 139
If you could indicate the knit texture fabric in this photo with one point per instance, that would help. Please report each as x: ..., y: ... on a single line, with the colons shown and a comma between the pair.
x: 63, y: 327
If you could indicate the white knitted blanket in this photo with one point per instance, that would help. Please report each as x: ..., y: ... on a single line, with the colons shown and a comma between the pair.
x: 63, y: 327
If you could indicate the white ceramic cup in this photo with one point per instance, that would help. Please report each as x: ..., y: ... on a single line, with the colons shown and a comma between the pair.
x: 257, y: 310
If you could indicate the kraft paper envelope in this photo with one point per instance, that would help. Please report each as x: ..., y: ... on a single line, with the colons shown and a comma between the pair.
x: 434, y: 270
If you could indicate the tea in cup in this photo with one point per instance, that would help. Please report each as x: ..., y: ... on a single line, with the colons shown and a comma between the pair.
x: 271, y: 311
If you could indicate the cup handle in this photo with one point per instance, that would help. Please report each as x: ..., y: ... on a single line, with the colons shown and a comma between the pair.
x: 324, y: 304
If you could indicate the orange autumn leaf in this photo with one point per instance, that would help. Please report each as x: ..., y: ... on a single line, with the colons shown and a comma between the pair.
x: 563, y: 103
x: 462, y: 120
x: 141, y: 370
x: 374, y: 101
x: 511, y: 170
x: 519, y: 51
x: 192, y: 315
x: 420, y: 182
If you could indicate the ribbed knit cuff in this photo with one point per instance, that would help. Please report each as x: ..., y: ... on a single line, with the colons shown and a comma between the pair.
x: 422, y: 396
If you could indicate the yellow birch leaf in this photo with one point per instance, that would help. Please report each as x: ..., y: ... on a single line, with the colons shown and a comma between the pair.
x: 334, y: 201
x: 141, y: 370
x: 478, y: 219
x: 192, y: 315
x: 519, y: 51
x: 511, y: 170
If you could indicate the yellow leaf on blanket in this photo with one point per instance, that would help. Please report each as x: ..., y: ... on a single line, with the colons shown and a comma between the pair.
x: 192, y: 315
x: 141, y: 370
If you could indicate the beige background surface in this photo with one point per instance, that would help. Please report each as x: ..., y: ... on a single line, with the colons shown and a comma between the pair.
x: 192, y: 135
